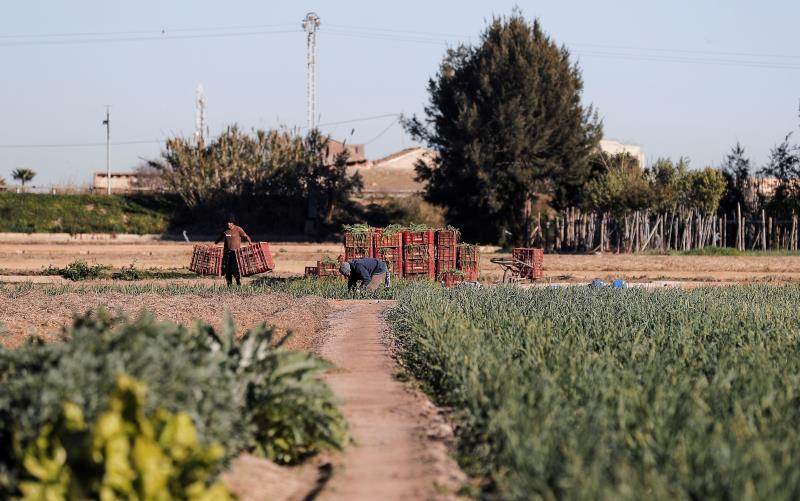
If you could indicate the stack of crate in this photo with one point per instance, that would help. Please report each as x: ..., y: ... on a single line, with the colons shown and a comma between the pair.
x: 446, y: 242
x: 206, y: 260
x: 327, y: 268
x: 358, y: 245
x: 388, y: 247
x: 419, y: 257
x: 254, y: 258
x: 533, y: 258
x: 468, y: 261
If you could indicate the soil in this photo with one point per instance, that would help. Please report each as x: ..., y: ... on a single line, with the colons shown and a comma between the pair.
x: 36, y: 313
x: 400, y: 440
x: 18, y: 258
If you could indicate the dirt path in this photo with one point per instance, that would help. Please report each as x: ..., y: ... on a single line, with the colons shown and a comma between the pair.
x: 399, y: 449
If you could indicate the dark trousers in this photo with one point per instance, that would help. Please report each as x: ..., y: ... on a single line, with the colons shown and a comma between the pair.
x: 232, y: 268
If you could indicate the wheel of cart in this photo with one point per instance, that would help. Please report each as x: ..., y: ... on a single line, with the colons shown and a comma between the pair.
x: 514, y: 270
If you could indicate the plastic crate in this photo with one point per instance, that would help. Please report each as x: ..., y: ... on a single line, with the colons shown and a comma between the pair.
x: 327, y: 269
x: 311, y: 271
x: 393, y: 256
x: 254, y: 259
x: 206, y: 260
x: 534, y: 258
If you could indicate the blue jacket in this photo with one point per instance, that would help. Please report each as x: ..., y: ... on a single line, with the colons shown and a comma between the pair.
x: 362, y: 270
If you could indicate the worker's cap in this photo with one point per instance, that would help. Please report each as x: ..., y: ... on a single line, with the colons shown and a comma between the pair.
x: 344, y: 269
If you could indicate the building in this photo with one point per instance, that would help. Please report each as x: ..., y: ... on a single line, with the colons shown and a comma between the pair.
x: 122, y: 182
x: 394, y: 175
x: 613, y: 147
x: 355, y: 153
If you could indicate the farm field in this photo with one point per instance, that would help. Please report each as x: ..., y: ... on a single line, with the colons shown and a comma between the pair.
x: 586, y: 394
x: 20, y: 258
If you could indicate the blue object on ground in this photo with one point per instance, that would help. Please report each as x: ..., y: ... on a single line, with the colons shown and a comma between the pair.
x: 597, y: 283
x: 619, y: 283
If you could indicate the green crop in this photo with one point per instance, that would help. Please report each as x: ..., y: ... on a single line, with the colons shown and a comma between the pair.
x: 244, y: 392
x: 124, y: 455
x: 614, y: 394
x: 77, y: 270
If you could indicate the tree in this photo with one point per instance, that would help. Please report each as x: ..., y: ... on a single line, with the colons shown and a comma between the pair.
x: 23, y: 175
x: 706, y: 188
x: 669, y: 182
x: 738, y: 182
x: 506, y: 121
x: 245, y: 170
x: 784, y: 166
x: 620, y: 188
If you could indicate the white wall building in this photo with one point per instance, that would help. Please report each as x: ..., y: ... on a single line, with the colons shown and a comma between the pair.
x: 613, y: 147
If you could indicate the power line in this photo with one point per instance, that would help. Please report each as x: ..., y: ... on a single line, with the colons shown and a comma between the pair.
x: 148, y: 31
x: 161, y: 141
x: 384, y: 131
x: 76, y: 145
x: 143, y: 38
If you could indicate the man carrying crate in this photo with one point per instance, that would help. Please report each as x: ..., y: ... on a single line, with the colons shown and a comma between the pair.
x: 370, y: 273
x: 232, y: 236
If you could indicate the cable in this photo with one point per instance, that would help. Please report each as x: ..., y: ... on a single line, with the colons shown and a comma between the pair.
x: 357, y: 120
x: 384, y: 131
x: 75, y: 145
x: 151, y: 31
x: 139, y: 39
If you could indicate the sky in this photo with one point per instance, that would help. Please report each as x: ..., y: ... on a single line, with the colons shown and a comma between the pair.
x: 679, y: 78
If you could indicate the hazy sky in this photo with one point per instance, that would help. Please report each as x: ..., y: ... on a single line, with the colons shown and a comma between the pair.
x: 680, y: 78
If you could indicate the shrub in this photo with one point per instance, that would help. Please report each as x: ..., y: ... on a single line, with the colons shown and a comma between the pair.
x: 123, y: 455
x: 77, y: 270
x: 237, y: 392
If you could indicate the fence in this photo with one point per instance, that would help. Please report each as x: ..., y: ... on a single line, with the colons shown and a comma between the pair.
x: 575, y: 231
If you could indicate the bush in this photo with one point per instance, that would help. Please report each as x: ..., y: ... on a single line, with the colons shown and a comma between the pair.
x: 77, y: 270
x: 124, y: 455
x: 247, y: 394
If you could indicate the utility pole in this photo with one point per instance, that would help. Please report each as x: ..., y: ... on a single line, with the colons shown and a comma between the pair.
x: 107, y: 123
x: 200, y: 117
x: 311, y: 24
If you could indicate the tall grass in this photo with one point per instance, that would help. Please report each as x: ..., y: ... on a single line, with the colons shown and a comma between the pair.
x: 615, y: 394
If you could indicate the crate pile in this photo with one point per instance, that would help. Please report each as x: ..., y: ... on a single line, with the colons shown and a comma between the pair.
x: 533, y: 259
x: 413, y: 253
x: 253, y: 259
x: 358, y: 242
x: 446, y: 244
x: 206, y: 260
x: 388, y: 247
x: 468, y: 261
x: 419, y: 254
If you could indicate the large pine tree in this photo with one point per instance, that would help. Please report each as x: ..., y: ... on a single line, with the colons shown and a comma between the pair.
x: 506, y: 119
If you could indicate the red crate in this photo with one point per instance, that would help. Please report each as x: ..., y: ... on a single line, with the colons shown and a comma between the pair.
x: 311, y: 271
x: 327, y: 269
x: 450, y: 279
x: 393, y: 256
x: 253, y: 259
x: 532, y: 257
x: 468, y: 261
x: 206, y: 260
x: 358, y: 245
x: 446, y: 242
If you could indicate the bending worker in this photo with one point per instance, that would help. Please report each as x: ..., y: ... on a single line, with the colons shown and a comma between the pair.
x: 232, y: 236
x: 367, y: 272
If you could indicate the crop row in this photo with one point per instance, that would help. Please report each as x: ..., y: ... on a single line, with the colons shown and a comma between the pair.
x: 619, y: 394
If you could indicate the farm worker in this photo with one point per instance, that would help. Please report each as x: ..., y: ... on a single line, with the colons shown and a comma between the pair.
x: 232, y: 236
x: 367, y: 271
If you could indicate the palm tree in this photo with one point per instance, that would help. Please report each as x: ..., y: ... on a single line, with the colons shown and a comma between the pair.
x: 23, y: 175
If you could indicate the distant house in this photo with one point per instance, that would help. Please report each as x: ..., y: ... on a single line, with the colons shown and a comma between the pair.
x: 394, y: 175
x: 122, y: 182
x: 613, y: 147
x: 355, y: 153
